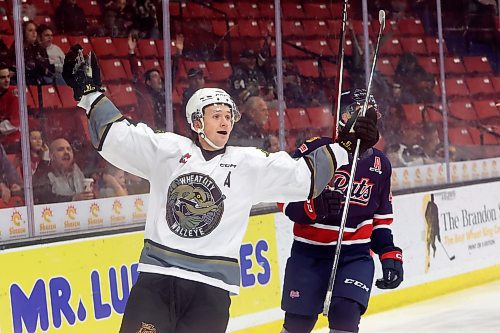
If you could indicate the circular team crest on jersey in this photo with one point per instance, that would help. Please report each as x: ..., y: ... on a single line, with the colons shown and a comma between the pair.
x: 194, y: 205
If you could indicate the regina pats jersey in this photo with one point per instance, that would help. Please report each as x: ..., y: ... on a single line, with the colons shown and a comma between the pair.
x: 199, y: 206
x: 370, y: 209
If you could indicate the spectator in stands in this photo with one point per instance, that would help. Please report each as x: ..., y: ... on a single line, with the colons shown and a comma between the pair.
x: 431, y: 142
x: 136, y: 185
x: 39, y: 151
x: 196, y: 80
x: 394, y: 153
x: 119, y: 17
x: 10, y: 182
x: 70, y: 19
x: 10, y: 137
x: 38, y: 68
x: 61, y: 179
x: 274, y: 143
x: 413, y: 77
x: 381, y: 85
x: 250, y: 129
x: 247, y: 78
x: 151, y: 93
x: 4, y: 53
x: 113, y: 180
x: 54, y: 52
x: 146, y: 20
x: 394, y: 114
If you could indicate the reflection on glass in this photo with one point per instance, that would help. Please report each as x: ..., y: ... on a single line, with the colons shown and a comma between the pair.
x: 232, y: 45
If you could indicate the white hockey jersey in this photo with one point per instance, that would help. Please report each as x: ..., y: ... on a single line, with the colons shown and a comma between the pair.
x: 199, y: 207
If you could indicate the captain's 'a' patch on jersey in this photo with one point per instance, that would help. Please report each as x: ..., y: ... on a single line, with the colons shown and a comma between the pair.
x: 194, y: 205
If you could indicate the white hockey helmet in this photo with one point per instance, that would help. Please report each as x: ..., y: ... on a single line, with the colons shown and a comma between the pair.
x: 208, y: 96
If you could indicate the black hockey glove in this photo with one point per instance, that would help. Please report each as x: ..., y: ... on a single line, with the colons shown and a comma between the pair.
x: 329, y: 202
x: 81, y: 73
x: 391, y: 259
x: 365, y: 129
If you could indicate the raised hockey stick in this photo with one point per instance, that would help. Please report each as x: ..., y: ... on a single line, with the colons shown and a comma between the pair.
x: 329, y: 292
x: 340, y: 68
x: 452, y: 257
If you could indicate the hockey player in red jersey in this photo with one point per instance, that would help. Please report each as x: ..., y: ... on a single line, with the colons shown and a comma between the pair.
x: 316, y: 232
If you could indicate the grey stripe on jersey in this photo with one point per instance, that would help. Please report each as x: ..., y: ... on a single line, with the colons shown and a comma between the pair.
x: 217, y: 267
x: 321, y: 176
x: 103, y: 113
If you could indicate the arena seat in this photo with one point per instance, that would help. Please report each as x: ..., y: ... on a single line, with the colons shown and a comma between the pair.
x: 459, y: 136
x: 5, y: 26
x: 391, y: 47
x: 272, y: 124
x: 90, y: 8
x: 292, y: 28
x: 483, y: 136
x: 414, y: 45
x: 316, y: 28
x: 480, y: 86
x: 103, y: 47
x: 410, y: 27
x: 299, y: 119
x: 43, y: 7
x: 248, y: 10
x: 84, y: 41
x: 319, y: 46
x: 266, y: 10
x: 123, y: 95
x: 50, y: 97
x: 292, y: 10
x: 318, y: 11
x: 249, y: 29
x: 463, y: 110
x: 121, y: 47
x: 113, y: 70
x: 477, y: 64
x: 308, y: 68
x: 148, y: 64
x: 62, y: 41
x: 220, y: 28
x: 321, y: 117
x: 227, y: 7
x: 147, y: 48
x: 432, y: 45
x: 454, y: 65
x: 486, y: 109
x: 219, y: 70
x: 429, y: 64
x: 66, y: 95
x: 456, y: 87
x: 413, y: 113
x: 384, y: 66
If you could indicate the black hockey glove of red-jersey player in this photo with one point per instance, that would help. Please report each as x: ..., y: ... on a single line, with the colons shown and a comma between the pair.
x: 81, y: 73
x: 329, y: 202
x: 365, y: 129
x: 391, y: 259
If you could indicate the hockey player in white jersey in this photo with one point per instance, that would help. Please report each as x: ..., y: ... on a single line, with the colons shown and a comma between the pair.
x: 201, y: 193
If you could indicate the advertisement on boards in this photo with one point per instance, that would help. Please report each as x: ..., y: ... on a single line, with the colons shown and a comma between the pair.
x: 83, y: 285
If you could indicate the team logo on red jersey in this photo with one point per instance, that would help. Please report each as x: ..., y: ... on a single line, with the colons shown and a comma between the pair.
x: 361, y: 189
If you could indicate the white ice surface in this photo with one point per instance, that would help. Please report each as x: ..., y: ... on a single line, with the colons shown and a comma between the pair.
x: 475, y: 309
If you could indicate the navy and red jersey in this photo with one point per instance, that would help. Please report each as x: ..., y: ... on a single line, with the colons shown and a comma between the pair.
x: 370, y: 210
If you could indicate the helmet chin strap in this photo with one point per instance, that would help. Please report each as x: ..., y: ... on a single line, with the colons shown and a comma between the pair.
x: 207, y: 140
x: 201, y: 132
